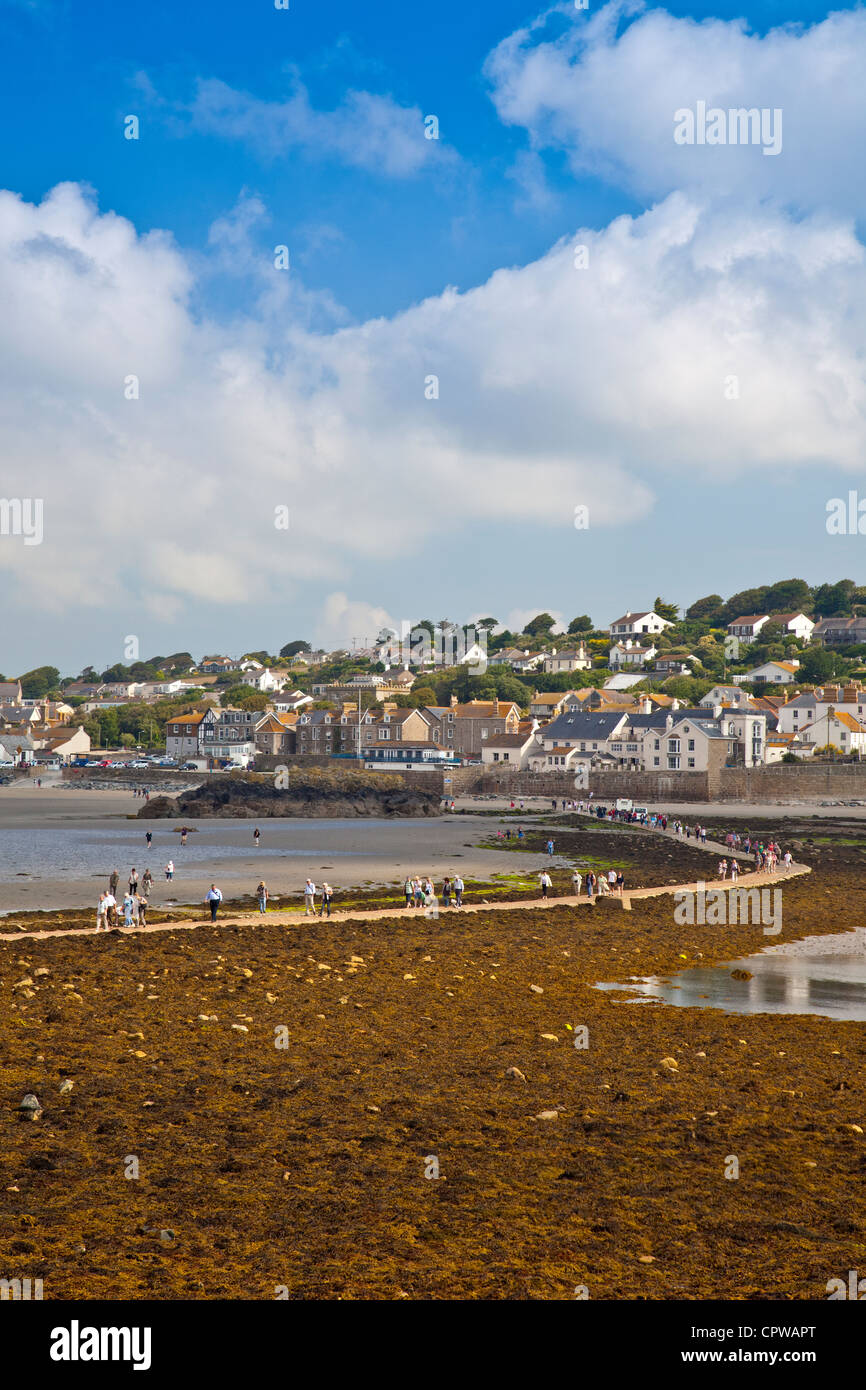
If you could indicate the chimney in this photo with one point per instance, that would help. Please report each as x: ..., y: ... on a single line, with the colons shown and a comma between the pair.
x: 669, y: 722
x: 495, y: 707
x: 453, y: 701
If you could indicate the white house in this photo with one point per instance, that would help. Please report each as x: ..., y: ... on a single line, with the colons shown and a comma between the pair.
x: 747, y: 628
x: 265, y: 679
x: 774, y: 672
x: 839, y: 730
x: 796, y: 623
x: 797, y: 715
x: 629, y: 653
x: 575, y: 659
x: 726, y: 695
x: 637, y: 625
x: 510, y: 750
x: 290, y: 700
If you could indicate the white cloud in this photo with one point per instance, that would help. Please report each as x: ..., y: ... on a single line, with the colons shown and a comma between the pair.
x: 605, y: 88
x: 366, y: 131
x: 344, y: 620
x: 518, y: 616
x: 558, y: 387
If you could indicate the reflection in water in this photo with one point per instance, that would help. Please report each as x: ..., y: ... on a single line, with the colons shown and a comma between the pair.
x: 833, y: 986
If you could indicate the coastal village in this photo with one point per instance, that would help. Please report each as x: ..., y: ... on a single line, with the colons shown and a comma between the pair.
x: 651, y: 692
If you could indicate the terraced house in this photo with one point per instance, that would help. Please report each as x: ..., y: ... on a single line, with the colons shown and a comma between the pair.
x: 185, y: 734
x: 463, y: 728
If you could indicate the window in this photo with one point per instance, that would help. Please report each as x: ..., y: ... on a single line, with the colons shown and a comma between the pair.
x: 691, y: 745
x: 673, y: 764
x: 673, y: 745
x: 496, y: 757
x: 484, y: 733
x: 655, y: 762
x: 691, y: 762
x: 656, y: 744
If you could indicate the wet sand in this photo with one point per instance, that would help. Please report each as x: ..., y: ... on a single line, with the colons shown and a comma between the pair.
x: 349, y: 853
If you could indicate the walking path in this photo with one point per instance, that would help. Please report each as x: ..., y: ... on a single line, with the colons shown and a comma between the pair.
x: 294, y: 916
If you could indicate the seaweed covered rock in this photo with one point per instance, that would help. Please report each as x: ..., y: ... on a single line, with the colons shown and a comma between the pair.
x: 300, y: 792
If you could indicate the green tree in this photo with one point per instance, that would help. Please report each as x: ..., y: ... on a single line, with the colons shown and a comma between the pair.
x: 235, y: 694
x: 256, y: 701
x: 487, y: 624
x: 36, y: 684
x: 666, y: 610
x: 292, y: 648
x: 818, y: 664
x: 582, y: 624
x: 830, y: 599
x: 789, y: 596
x: 540, y: 626
x: 706, y: 610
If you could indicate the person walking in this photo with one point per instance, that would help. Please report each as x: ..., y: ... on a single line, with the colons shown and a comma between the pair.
x: 735, y: 869
x: 407, y: 891
x: 169, y: 870
x: 127, y: 909
x: 110, y: 905
x: 262, y: 895
x: 590, y: 884
x: 788, y: 860
x: 257, y: 837
x: 101, y: 912
x: 148, y: 838
x: 418, y: 891
x: 611, y: 879
x: 546, y: 882
x: 133, y: 881
x: 147, y: 883
x: 620, y: 883
x: 446, y: 893
x: 723, y: 868
x: 576, y: 881
x: 214, y: 898
x: 113, y: 881
x: 142, y: 911
x: 327, y: 894
x: 309, y: 898
x: 458, y: 891
x: 550, y: 847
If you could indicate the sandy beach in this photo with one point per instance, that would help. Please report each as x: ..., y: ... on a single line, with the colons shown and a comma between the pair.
x: 58, y: 847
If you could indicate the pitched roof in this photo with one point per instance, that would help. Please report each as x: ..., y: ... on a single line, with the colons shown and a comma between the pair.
x: 580, y: 725
x: 847, y: 721
x: 748, y: 618
x: 507, y: 740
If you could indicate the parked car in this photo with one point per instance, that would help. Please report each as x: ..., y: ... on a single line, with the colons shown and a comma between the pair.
x: 138, y: 762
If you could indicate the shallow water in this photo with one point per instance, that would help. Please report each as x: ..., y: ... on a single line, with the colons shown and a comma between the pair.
x: 808, y: 982
x: 90, y: 851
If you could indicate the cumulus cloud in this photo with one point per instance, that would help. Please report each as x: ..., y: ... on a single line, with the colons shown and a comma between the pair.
x: 558, y: 387
x: 605, y: 88
x: 344, y: 620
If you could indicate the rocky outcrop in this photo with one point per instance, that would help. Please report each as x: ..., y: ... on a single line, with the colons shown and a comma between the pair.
x: 308, y: 793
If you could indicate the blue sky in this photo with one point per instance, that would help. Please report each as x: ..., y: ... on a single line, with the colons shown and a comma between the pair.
x: 258, y: 391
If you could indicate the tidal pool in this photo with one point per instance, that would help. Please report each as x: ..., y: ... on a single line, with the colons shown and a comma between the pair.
x: 799, y: 978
